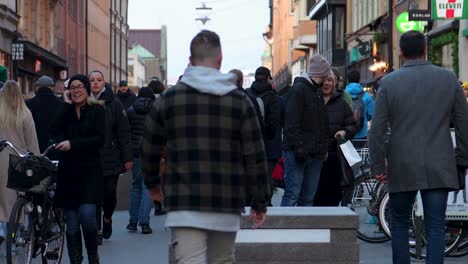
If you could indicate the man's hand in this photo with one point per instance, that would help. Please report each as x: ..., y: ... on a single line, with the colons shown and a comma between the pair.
x: 128, y: 165
x: 342, y: 133
x: 382, y: 178
x: 156, y: 193
x: 256, y: 218
x: 63, y: 146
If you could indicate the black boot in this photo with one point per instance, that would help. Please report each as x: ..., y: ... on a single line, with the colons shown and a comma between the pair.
x: 91, y: 243
x: 75, y: 249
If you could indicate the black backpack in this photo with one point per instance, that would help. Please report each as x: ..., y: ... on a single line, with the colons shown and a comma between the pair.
x: 359, y: 110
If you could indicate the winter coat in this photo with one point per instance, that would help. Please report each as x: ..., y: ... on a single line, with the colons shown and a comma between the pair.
x: 44, y: 107
x: 417, y: 102
x: 117, y: 147
x: 355, y: 89
x: 340, y: 117
x: 306, y: 120
x: 215, y: 153
x: 80, y: 178
x: 25, y: 138
x: 272, y: 118
x: 136, y: 116
x: 127, y: 99
x: 258, y: 112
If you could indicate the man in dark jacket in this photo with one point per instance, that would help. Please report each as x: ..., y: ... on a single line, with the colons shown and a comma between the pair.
x: 214, y: 154
x: 125, y: 95
x: 306, y: 135
x: 140, y: 202
x: 44, y: 107
x: 117, y: 151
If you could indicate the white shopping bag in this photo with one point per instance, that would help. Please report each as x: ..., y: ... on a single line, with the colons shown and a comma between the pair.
x: 351, y: 155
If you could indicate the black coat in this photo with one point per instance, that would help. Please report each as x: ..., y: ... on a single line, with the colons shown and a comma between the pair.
x: 44, y: 108
x: 80, y: 178
x: 306, y: 120
x: 117, y: 147
x: 272, y: 120
x: 340, y: 117
x: 136, y: 116
x: 127, y: 99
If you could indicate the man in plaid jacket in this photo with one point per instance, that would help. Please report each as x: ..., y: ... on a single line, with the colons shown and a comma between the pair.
x: 215, y: 157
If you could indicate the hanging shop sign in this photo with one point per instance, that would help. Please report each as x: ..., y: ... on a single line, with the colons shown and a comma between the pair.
x: 17, y: 51
x: 403, y: 23
x: 449, y: 9
x: 419, y: 15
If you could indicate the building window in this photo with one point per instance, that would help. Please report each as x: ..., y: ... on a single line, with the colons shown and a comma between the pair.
x: 339, y: 27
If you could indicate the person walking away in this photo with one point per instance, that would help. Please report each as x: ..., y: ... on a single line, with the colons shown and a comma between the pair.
x: 419, y: 155
x: 117, y: 152
x: 80, y: 179
x: 125, y: 95
x: 215, y: 154
x: 346, y: 96
x: 271, y: 108
x: 3, y: 75
x: 140, y: 201
x: 16, y: 126
x: 363, y: 104
x: 342, y: 126
x: 306, y: 135
x: 44, y: 107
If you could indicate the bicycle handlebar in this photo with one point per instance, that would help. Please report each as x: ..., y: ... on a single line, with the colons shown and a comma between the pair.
x: 20, y: 152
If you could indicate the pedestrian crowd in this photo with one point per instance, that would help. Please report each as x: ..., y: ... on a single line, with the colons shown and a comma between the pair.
x: 205, y: 148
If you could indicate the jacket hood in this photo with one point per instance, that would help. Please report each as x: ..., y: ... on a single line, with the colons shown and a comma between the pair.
x: 44, y: 91
x: 259, y: 87
x: 305, y: 79
x: 143, y: 105
x: 126, y: 94
x: 336, y: 94
x: 107, y: 96
x: 354, y: 89
x: 209, y: 80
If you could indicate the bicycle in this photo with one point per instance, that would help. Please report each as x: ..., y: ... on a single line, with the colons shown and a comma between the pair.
x: 36, y: 228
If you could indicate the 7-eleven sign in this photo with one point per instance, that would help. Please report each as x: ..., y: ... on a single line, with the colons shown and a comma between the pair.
x: 449, y: 9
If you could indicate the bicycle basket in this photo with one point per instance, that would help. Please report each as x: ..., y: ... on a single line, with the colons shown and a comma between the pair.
x: 30, y: 174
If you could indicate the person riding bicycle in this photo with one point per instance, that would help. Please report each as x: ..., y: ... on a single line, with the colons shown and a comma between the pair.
x: 16, y: 126
x: 80, y: 178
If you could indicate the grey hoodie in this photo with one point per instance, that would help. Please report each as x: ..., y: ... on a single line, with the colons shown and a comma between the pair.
x: 209, y: 80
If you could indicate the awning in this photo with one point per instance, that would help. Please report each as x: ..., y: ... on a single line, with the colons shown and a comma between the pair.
x: 444, y: 28
x: 321, y: 6
x: 44, y: 54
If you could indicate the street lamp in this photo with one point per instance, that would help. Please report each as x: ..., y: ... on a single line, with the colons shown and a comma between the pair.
x: 203, y: 13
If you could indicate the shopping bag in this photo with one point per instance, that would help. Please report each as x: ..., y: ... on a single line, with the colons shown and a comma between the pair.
x: 351, y: 155
x: 278, y: 174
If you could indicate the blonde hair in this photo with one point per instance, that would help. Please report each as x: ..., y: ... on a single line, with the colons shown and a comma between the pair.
x: 13, y: 110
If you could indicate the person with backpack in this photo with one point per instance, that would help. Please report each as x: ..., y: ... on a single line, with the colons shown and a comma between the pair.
x: 363, y: 104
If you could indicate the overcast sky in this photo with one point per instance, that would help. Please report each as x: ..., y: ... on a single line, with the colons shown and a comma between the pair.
x: 239, y: 23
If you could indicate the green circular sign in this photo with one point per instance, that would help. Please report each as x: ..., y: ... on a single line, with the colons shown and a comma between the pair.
x: 404, y: 25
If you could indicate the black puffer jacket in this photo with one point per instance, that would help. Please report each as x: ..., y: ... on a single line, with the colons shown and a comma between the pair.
x: 340, y: 117
x: 136, y: 116
x: 117, y: 147
x: 272, y: 118
x: 306, y: 124
x: 127, y: 99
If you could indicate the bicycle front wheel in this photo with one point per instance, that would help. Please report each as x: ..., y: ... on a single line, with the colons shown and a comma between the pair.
x: 21, y: 233
x: 52, y: 253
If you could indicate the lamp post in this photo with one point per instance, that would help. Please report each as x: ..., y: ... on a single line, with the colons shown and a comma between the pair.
x: 203, y: 13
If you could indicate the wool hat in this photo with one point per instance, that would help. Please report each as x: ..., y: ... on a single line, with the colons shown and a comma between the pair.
x: 122, y: 83
x: 262, y: 73
x: 83, y: 79
x: 45, y: 82
x: 318, y: 66
x: 146, y: 92
x: 156, y: 85
x: 3, y: 74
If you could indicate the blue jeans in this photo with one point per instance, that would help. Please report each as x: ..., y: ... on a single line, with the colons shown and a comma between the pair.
x: 140, y: 201
x: 301, y: 180
x: 401, y: 205
x: 81, y: 220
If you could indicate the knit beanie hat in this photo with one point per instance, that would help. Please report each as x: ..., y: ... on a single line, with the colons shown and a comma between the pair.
x: 146, y: 92
x: 3, y: 74
x: 83, y: 79
x: 318, y: 66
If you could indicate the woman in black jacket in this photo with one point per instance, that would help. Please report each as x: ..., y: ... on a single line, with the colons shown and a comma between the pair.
x: 342, y: 123
x: 79, y: 183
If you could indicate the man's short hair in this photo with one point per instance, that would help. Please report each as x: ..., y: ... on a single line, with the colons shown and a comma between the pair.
x: 354, y: 76
x: 239, y: 77
x: 262, y: 73
x: 205, y: 45
x: 413, y: 44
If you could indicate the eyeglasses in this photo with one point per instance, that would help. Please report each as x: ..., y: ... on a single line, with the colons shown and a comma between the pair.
x: 76, y: 88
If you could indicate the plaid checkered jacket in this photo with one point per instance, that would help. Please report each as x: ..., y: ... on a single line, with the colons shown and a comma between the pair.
x: 215, y: 151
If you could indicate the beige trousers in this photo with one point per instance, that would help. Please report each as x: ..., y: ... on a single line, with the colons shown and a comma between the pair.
x: 199, y: 246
